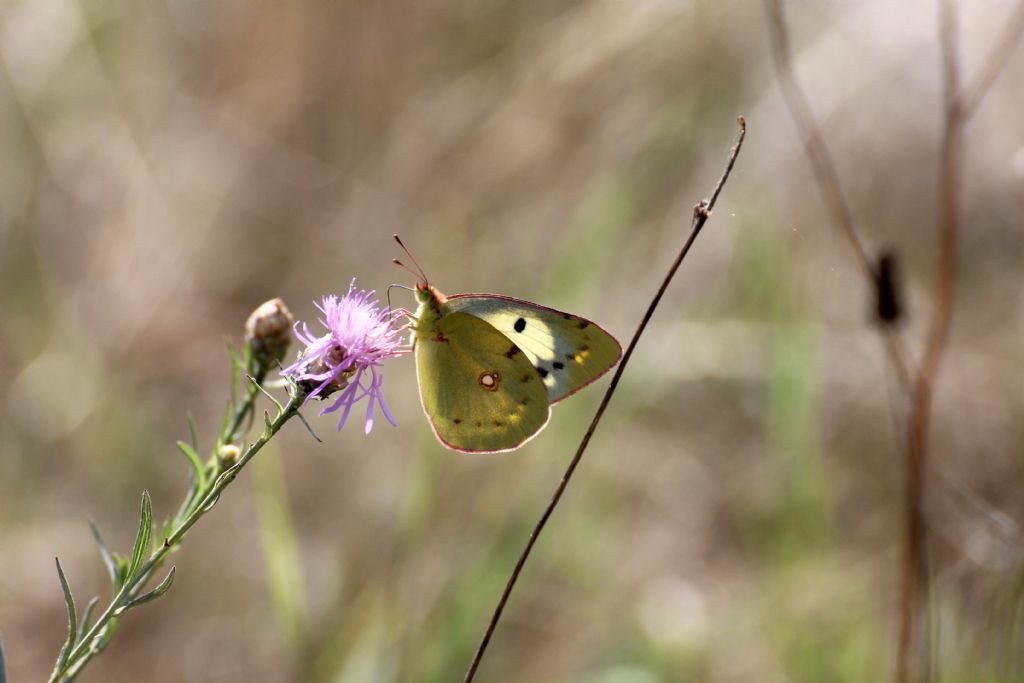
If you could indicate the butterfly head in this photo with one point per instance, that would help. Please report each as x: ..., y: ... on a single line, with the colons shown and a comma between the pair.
x: 428, y: 295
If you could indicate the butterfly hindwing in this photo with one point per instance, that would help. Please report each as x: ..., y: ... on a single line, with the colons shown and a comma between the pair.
x: 480, y: 391
x: 567, y: 351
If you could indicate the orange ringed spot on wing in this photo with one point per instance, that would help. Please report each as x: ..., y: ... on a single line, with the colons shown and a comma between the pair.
x: 489, y: 380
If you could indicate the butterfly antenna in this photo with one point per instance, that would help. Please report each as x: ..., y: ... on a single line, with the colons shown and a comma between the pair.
x: 419, y: 276
x: 415, y: 263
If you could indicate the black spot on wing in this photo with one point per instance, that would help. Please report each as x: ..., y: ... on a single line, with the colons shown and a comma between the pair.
x: 542, y: 371
x: 457, y: 421
x: 511, y: 353
x: 558, y: 365
x: 520, y: 325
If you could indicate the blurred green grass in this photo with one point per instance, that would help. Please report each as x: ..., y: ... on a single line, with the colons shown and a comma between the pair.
x: 168, y: 167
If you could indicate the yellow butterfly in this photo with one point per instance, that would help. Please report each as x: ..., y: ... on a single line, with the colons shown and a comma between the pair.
x: 490, y: 367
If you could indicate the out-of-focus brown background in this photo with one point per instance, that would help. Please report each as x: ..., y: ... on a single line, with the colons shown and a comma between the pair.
x: 167, y: 166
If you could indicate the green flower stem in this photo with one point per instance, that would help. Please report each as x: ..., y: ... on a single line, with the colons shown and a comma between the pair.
x: 191, y: 513
x: 229, y: 434
x: 245, y: 408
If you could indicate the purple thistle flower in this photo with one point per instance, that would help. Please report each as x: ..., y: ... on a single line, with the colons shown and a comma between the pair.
x: 360, y: 336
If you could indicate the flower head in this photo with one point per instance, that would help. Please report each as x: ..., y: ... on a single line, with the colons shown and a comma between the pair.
x: 360, y: 336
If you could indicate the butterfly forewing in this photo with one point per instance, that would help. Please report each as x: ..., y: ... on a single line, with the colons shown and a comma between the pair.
x: 568, y: 352
x: 480, y: 391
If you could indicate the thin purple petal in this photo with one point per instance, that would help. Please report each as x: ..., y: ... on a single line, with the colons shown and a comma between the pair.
x: 360, y: 336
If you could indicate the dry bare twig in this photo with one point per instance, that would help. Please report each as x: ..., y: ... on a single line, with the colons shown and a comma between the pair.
x: 825, y: 173
x: 959, y: 105
x: 993, y: 66
x: 701, y: 213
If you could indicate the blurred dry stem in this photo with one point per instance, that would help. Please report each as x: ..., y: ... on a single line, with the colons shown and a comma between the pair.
x: 973, y: 94
x: 701, y: 213
x: 826, y: 175
x: 825, y: 172
x: 957, y: 110
x: 958, y: 106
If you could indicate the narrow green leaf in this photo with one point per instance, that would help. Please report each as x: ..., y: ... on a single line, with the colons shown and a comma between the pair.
x: 142, y: 538
x: 280, y: 408
x: 146, y: 597
x: 197, y: 464
x: 236, y: 368
x: 308, y: 427
x: 108, y: 559
x: 3, y: 664
x: 184, y: 508
x: 104, y: 637
x: 98, y: 644
x: 209, y: 506
x: 247, y: 358
x: 193, y: 431
x: 69, y: 601
x: 121, y: 567
x: 72, y: 614
x: 85, y: 621
x: 225, y: 421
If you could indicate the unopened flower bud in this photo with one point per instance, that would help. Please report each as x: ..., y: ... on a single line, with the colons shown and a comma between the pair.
x: 268, y: 332
x: 228, y: 454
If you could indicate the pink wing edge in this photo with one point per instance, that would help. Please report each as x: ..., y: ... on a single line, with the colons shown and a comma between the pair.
x: 453, y: 447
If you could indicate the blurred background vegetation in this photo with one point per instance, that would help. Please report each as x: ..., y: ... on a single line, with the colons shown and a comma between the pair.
x: 169, y: 165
